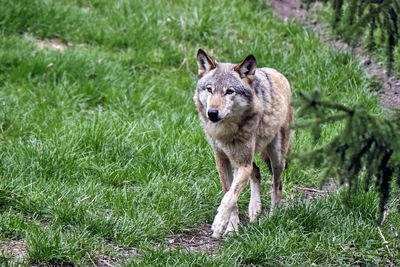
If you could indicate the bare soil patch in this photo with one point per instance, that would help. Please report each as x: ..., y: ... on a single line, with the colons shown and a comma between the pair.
x: 390, y: 94
x: 13, y: 248
x: 199, y: 241
x: 287, y: 9
x: 110, y: 260
x: 52, y: 44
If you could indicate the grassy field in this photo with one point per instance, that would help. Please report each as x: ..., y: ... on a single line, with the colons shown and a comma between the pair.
x: 101, y: 147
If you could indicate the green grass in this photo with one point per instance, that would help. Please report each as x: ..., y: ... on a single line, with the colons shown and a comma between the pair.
x: 104, y: 146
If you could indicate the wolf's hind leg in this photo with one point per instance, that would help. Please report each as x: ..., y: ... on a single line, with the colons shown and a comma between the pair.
x: 274, y: 152
x: 255, y: 199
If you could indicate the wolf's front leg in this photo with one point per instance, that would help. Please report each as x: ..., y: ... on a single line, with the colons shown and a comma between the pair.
x: 229, y: 201
x: 224, y: 169
x: 221, y: 220
x: 233, y: 224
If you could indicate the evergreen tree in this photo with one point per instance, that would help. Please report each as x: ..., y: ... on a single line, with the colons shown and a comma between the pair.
x: 355, y: 19
x: 366, y: 150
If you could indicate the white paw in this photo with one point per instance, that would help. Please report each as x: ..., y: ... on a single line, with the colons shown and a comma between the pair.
x: 233, y: 224
x: 271, y: 211
x: 220, y: 223
x: 254, y: 210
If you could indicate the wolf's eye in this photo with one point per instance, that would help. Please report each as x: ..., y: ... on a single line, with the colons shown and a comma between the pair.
x: 229, y: 91
x: 209, y: 89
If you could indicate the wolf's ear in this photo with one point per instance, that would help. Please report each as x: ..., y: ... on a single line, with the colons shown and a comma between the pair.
x: 247, y: 68
x: 204, y: 62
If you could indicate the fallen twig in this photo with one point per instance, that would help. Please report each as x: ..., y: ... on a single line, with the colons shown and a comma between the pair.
x: 310, y: 189
x: 82, y: 199
x: 385, y: 214
x: 87, y: 254
x: 384, y: 240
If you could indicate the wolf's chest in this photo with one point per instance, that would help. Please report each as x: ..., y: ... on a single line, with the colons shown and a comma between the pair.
x: 232, y: 137
x: 240, y: 143
x: 262, y: 142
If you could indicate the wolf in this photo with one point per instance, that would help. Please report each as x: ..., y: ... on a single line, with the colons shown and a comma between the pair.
x: 244, y: 110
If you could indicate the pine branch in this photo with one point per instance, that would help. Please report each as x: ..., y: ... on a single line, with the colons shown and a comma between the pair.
x: 365, y: 146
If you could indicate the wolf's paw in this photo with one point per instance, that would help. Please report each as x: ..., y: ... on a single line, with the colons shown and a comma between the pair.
x: 254, y: 210
x: 220, y: 223
x: 233, y: 224
x: 271, y: 211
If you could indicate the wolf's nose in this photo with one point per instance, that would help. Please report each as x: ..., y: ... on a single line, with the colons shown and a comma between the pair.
x: 213, y: 115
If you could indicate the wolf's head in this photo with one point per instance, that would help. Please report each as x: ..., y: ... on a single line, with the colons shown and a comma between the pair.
x: 224, y: 90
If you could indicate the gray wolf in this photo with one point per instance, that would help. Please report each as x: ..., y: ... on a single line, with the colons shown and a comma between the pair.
x: 244, y: 110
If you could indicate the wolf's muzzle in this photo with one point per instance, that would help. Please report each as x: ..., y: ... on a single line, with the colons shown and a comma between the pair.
x: 213, y: 115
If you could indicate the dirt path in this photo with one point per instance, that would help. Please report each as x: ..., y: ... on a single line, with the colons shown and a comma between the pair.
x: 200, y: 241
x: 390, y: 94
